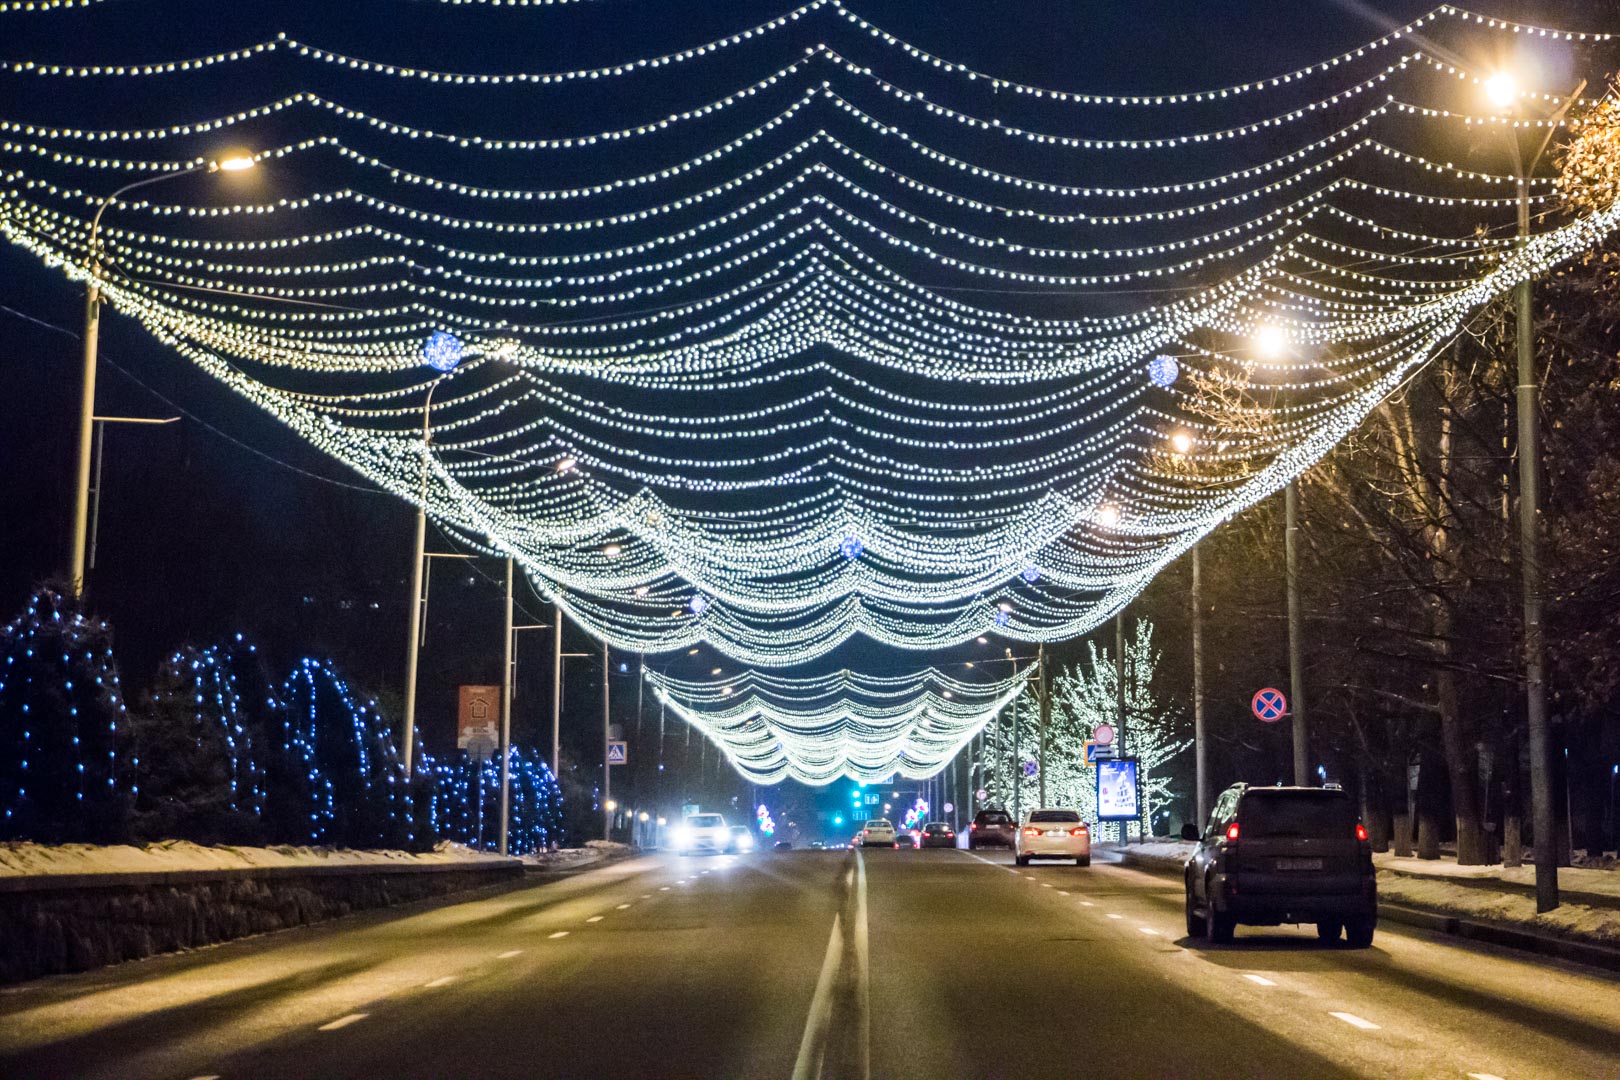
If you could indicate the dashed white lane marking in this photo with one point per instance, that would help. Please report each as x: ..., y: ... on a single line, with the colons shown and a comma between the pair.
x: 1046, y: 884
x: 1111, y: 915
x: 1147, y: 930
x: 1484, y: 1076
x: 342, y: 1022
x: 213, y: 1076
x: 558, y: 934
x: 621, y: 907
x: 1354, y: 1021
x: 1087, y: 903
x: 1259, y: 980
x: 663, y: 888
x: 1062, y: 892
x: 594, y: 918
x: 509, y: 953
x: 442, y: 980
x: 646, y: 896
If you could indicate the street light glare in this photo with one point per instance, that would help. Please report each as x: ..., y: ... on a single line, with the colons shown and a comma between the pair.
x: 1271, y: 342
x: 1108, y: 516
x: 1181, y: 442
x: 236, y: 163
x: 1502, y: 90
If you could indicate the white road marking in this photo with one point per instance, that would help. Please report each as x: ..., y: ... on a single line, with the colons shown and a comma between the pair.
x: 214, y: 1076
x: 442, y: 980
x: 594, y: 918
x: 818, y: 1025
x: 1087, y: 903
x: 342, y: 1022
x: 621, y: 907
x: 1147, y: 930
x: 646, y: 896
x: 1111, y: 915
x: 1062, y: 893
x: 1354, y: 1021
x: 558, y: 934
x: 509, y: 953
x: 663, y: 888
x: 1046, y: 884
x: 1484, y: 1076
x: 1259, y: 979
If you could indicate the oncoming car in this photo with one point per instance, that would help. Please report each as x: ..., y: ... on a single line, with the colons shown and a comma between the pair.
x: 742, y: 838
x: 703, y: 833
x: 879, y: 832
x: 1052, y: 834
x: 1273, y: 855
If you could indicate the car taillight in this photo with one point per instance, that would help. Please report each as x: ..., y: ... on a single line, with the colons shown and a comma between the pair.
x: 1081, y: 831
x: 1032, y: 832
x: 1232, y: 831
x: 1361, y: 831
x: 866, y: 832
x: 973, y: 826
x: 949, y: 835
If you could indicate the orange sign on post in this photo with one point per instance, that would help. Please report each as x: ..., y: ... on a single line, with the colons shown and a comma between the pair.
x: 478, y: 720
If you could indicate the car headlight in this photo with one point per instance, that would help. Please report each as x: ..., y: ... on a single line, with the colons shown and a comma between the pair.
x: 682, y: 836
x: 745, y: 841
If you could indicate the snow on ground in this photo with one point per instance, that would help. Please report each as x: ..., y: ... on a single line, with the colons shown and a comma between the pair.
x: 1574, y: 879
x: 27, y: 860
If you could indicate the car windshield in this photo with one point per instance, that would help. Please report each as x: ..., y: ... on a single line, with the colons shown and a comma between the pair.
x: 1070, y: 816
x: 1316, y: 815
x: 706, y: 821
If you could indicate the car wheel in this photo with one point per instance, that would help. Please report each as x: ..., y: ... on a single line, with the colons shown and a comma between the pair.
x: 1217, y: 927
x: 1329, y: 931
x: 1195, y: 924
x: 1021, y: 860
x: 1084, y: 860
x: 1359, y: 931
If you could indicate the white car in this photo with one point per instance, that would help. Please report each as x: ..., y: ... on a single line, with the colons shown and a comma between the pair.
x: 703, y: 832
x: 1052, y: 834
x: 879, y: 832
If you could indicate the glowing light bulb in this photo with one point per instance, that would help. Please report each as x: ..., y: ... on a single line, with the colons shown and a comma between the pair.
x: 1502, y: 90
x: 1271, y: 342
x: 235, y: 163
x: 1181, y: 442
x: 1108, y: 516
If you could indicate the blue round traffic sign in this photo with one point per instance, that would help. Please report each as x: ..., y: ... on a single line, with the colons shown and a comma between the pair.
x: 1269, y: 705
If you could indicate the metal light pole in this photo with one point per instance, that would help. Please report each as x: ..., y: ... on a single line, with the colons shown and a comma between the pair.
x: 1119, y: 703
x: 1017, y: 767
x: 90, y: 342
x: 1046, y: 715
x: 1296, y: 672
x: 607, y: 769
x: 1200, y: 746
x: 556, y: 686
x: 101, y: 423
x: 506, y: 711
x: 1506, y: 95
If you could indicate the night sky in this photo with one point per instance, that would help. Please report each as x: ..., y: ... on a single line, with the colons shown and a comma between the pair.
x: 225, y: 522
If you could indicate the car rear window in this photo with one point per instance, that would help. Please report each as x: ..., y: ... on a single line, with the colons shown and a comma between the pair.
x: 705, y: 821
x: 936, y: 828
x: 1055, y: 815
x: 996, y: 817
x: 878, y: 823
x: 1306, y: 814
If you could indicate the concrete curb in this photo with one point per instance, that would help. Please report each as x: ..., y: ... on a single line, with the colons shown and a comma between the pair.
x: 125, y: 879
x: 1490, y: 933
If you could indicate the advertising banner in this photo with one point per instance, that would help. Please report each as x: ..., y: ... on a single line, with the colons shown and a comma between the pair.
x: 478, y: 720
x: 1119, y: 796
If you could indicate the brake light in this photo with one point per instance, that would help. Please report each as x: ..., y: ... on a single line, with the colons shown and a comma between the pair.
x: 1232, y: 831
x: 1361, y: 831
x: 866, y: 832
x: 1032, y: 832
x: 1081, y: 831
x: 973, y: 826
x: 949, y: 835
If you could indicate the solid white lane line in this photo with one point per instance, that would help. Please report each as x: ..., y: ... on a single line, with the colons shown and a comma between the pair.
x: 594, y: 918
x: 214, y: 1076
x: 812, y: 1046
x: 442, y: 980
x: 558, y: 934
x: 621, y: 907
x: 342, y: 1022
x: 1354, y: 1021
x: 1259, y: 979
x: 509, y: 953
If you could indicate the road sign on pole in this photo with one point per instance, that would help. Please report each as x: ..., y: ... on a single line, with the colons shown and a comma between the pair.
x: 1103, y: 735
x: 618, y: 752
x: 1269, y: 705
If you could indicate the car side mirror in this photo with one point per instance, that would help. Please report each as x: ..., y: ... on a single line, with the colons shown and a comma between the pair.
x: 1189, y: 831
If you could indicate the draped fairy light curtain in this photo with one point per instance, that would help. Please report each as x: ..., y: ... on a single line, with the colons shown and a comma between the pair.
x: 867, y: 343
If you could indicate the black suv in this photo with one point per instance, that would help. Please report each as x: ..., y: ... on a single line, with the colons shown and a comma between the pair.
x: 991, y: 828
x: 1273, y: 855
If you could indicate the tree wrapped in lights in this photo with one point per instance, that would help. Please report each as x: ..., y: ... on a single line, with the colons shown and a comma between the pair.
x: 466, y: 802
x: 62, y: 726
x: 200, y: 749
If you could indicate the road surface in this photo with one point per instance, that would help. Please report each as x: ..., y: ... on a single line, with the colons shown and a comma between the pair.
x: 905, y: 964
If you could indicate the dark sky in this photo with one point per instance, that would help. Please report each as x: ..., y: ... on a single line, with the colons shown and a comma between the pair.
x: 225, y: 522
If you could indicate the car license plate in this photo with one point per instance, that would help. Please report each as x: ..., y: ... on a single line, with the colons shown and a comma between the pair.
x: 1054, y: 832
x: 1299, y: 864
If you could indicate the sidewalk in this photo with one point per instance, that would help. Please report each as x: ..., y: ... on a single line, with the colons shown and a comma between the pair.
x: 1488, y: 903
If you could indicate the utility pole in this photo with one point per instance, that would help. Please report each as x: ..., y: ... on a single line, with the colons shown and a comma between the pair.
x: 607, y: 770
x: 556, y: 687
x: 1296, y: 668
x: 1119, y: 704
x: 1200, y: 746
x: 1017, y: 768
x: 1046, y: 714
x: 506, y: 711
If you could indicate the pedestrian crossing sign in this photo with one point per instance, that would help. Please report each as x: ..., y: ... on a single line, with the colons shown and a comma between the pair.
x: 618, y: 754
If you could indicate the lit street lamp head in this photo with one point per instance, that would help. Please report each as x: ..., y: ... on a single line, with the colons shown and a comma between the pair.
x: 236, y: 163
x: 1502, y: 90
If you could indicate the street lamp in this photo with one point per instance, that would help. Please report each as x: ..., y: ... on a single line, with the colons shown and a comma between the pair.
x: 92, y: 333
x: 442, y: 352
x: 1503, y: 92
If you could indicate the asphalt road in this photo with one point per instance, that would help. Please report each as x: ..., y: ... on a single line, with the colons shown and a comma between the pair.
x: 905, y: 964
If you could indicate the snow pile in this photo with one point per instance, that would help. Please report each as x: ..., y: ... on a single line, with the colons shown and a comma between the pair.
x: 1571, y: 879
x: 29, y: 860
x: 1578, y: 921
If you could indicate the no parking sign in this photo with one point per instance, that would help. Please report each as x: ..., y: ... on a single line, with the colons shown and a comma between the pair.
x: 1269, y: 705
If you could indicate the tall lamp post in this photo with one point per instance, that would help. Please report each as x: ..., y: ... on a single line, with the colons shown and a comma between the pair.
x: 1504, y: 93
x: 441, y: 352
x: 91, y: 340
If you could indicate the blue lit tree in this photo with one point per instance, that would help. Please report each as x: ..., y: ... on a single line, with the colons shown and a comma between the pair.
x: 467, y: 802
x: 62, y: 712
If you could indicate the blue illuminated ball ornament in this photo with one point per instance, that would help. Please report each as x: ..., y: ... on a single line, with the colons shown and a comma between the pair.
x: 1031, y: 574
x: 698, y: 603
x: 852, y: 547
x: 1001, y: 618
x: 1163, y: 370
x: 442, y: 351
